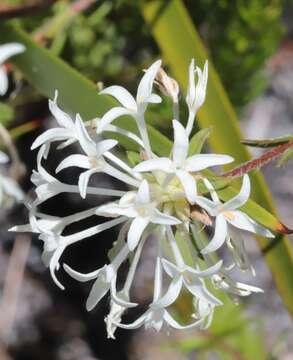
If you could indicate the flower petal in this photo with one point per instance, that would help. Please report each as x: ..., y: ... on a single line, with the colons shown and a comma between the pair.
x: 174, y: 324
x: 170, y: 268
x: 114, y: 209
x: 244, y: 222
x: 83, y: 181
x: 77, y: 160
x: 85, y: 141
x: 122, y: 95
x: 241, y: 198
x: 3, y: 81
x: 181, y: 144
x: 104, y: 146
x: 143, y: 193
x: 135, y: 325
x: 55, y: 134
x: 98, y: 291
x: 81, y: 276
x: 172, y: 293
x: 204, y: 161
x: 145, y: 86
x: 207, y: 272
x: 9, y: 50
x: 110, y: 116
x: 219, y: 237
x: 207, y: 204
x: 163, y: 164
x: 163, y: 219
x: 135, y: 231
x: 154, y: 99
x: 62, y: 118
x: 189, y: 185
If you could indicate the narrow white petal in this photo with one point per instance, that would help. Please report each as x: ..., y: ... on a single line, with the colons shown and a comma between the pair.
x: 98, y: 291
x: 146, y: 84
x: 163, y: 164
x: 207, y: 204
x: 198, y: 289
x: 62, y: 118
x: 104, y: 146
x: 135, y: 231
x: 135, y: 325
x: 143, y: 193
x: 242, y: 221
x: 77, y: 160
x: 110, y: 116
x: 170, y: 268
x: 9, y: 50
x: 189, y: 185
x: 83, y: 181
x: 164, y: 219
x: 190, y: 97
x: 241, y: 198
x: 174, y: 324
x: 207, y: 272
x: 122, y: 95
x: 219, y: 236
x: 172, y: 293
x: 3, y: 81
x: 154, y: 99
x: 85, y: 141
x: 81, y: 276
x: 56, y: 134
x: 181, y: 144
x: 204, y: 161
x: 114, y: 209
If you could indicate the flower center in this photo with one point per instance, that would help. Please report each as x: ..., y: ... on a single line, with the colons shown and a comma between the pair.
x: 229, y: 215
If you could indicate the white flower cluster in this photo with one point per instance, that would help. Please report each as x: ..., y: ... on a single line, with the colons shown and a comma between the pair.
x: 164, y: 201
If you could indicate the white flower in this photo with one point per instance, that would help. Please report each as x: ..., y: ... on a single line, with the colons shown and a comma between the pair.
x: 195, y: 93
x: 181, y: 165
x: 134, y: 107
x: 226, y: 283
x: 105, y: 280
x: 227, y: 213
x: 66, y: 132
x: 143, y: 211
x: 7, y: 51
x: 48, y: 186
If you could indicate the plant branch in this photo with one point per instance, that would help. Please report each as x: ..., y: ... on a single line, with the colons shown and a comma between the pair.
x: 260, y: 161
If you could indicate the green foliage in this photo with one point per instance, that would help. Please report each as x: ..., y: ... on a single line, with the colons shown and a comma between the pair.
x: 240, y: 36
x: 6, y: 114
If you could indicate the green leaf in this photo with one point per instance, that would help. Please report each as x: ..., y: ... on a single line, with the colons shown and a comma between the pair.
x: 264, y: 143
x: 46, y: 73
x: 133, y: 157
x: 197, y: 141
x: 179, y: 44
x: 287, y: 156
x: 6, y: 114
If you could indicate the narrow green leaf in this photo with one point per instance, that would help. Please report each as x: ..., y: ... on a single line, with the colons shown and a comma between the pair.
x: 198, y: 140
x: 179, y: 44
x: 46, y: 73
x: 264, y: 143
x: 6, y: 114
x: 133, y: 157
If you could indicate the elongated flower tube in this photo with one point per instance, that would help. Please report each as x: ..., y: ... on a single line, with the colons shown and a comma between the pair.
x: 165, y: 200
